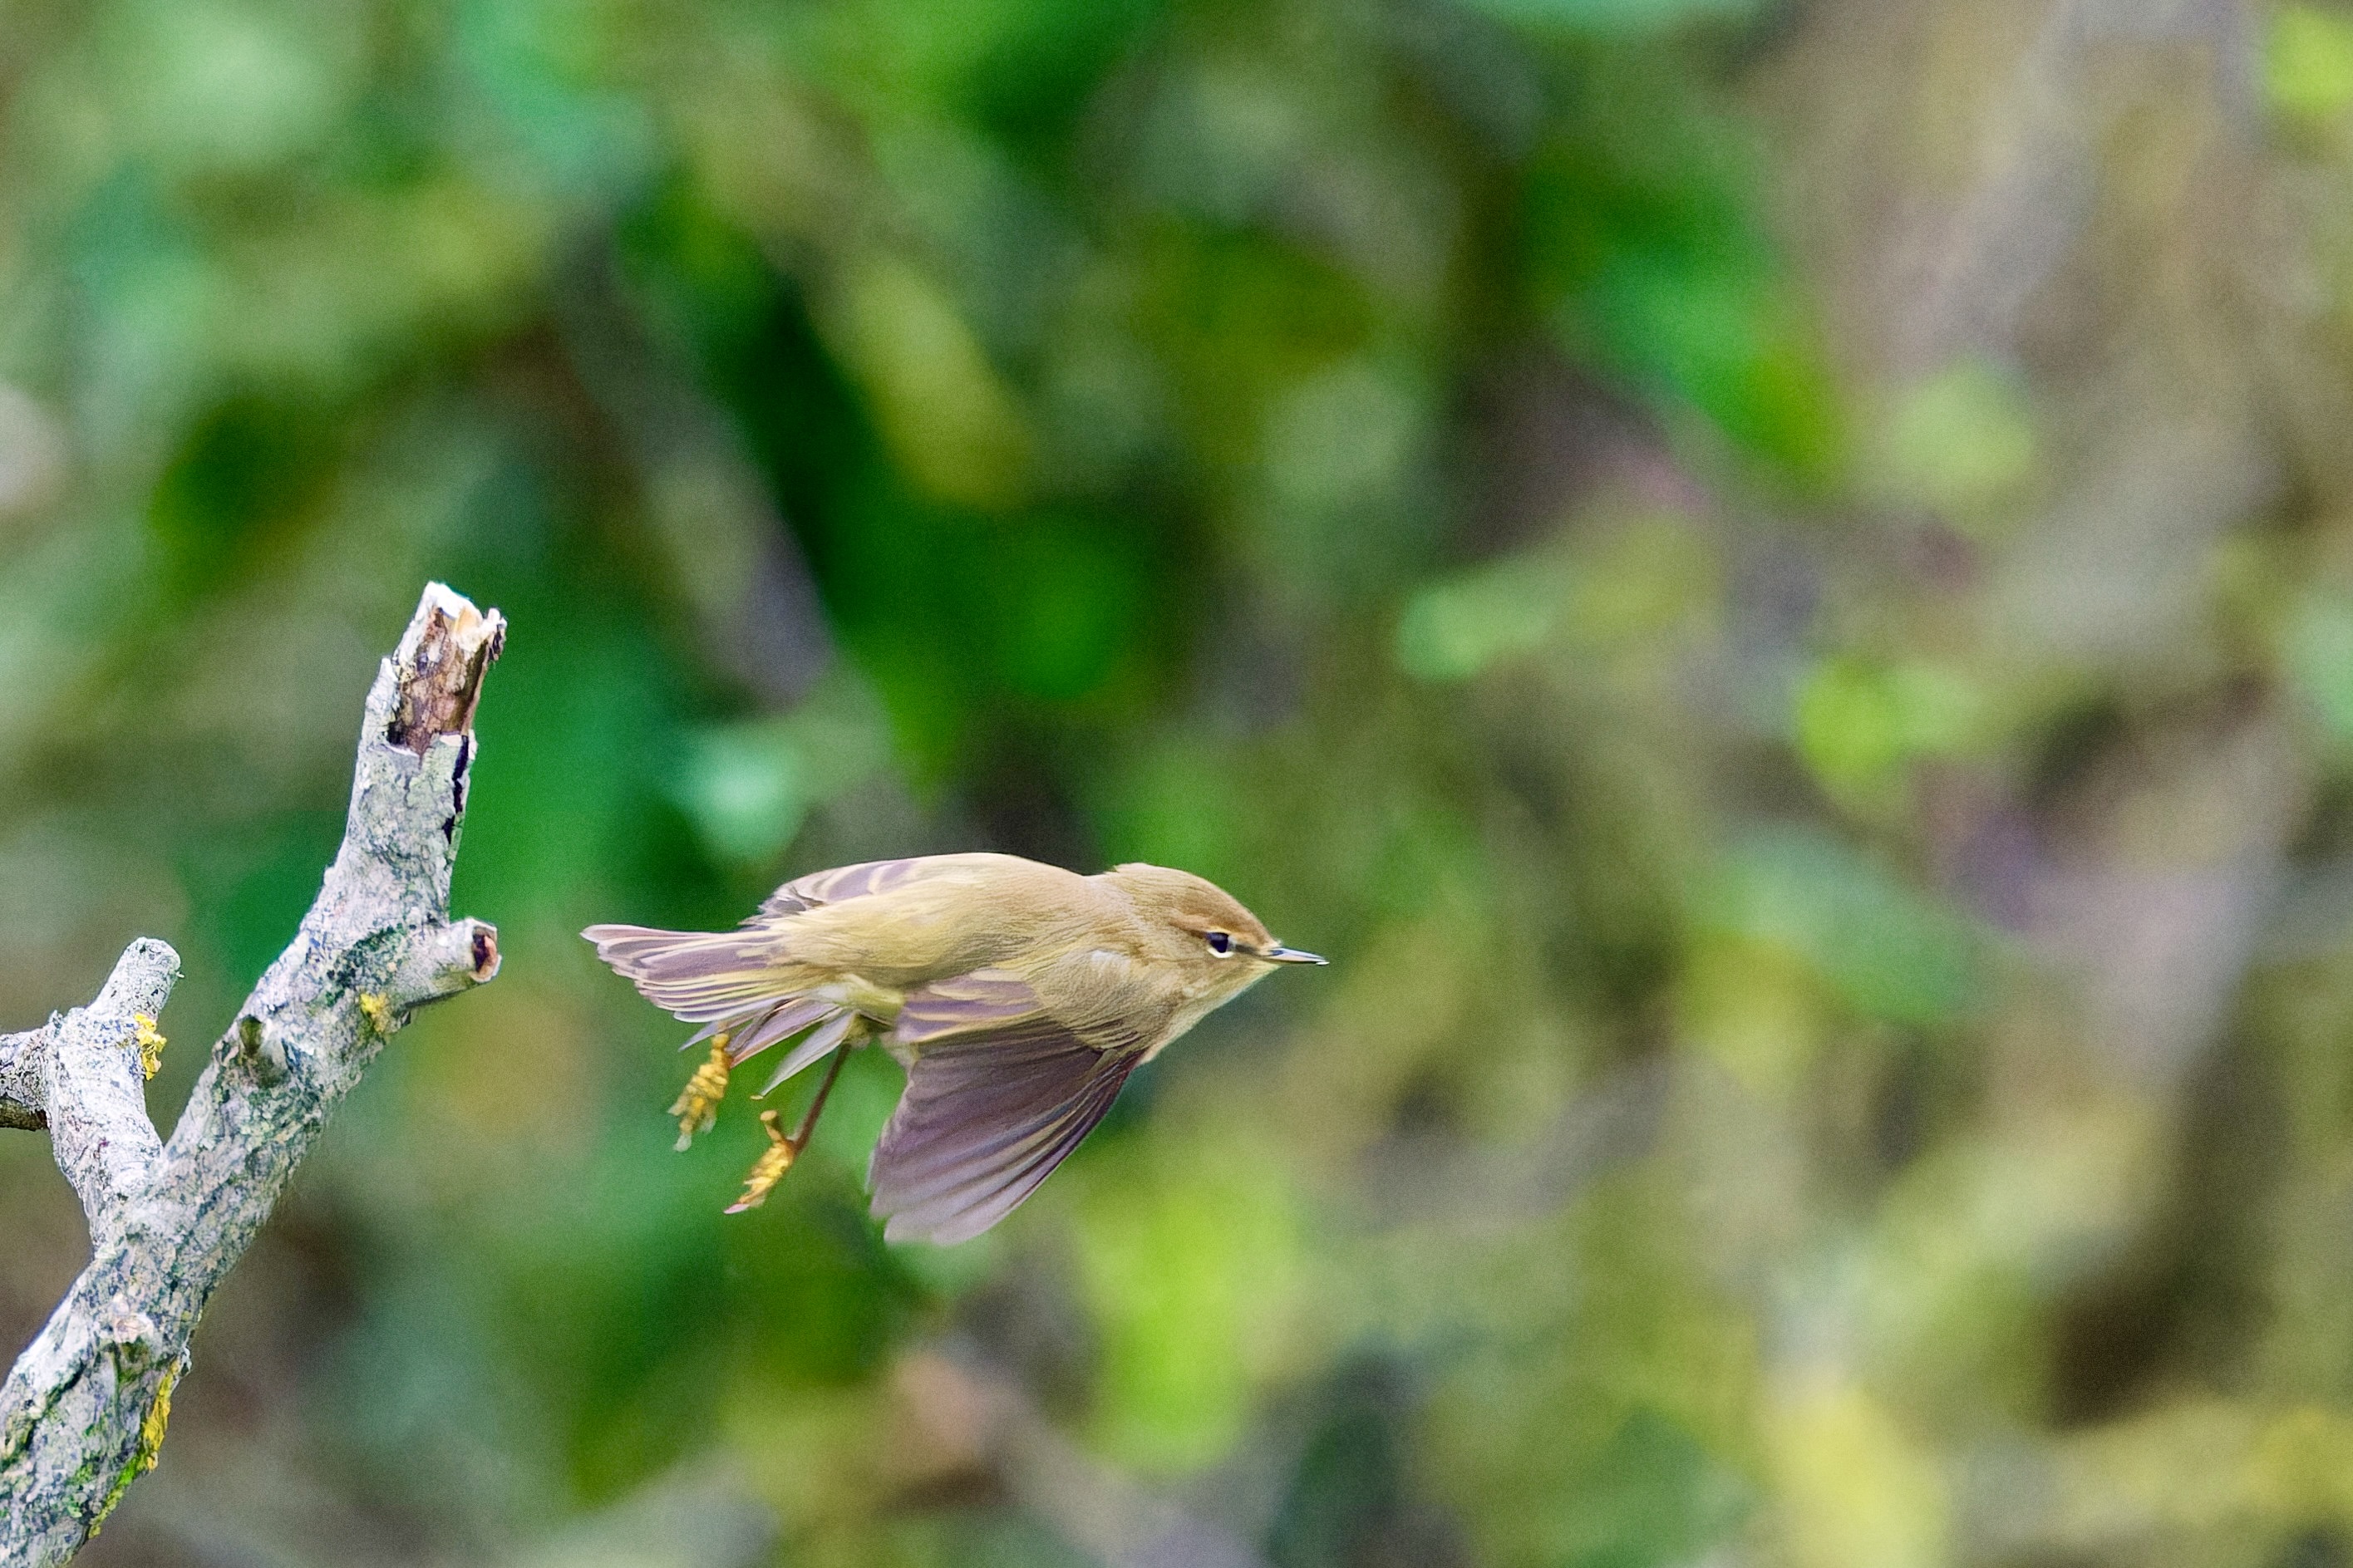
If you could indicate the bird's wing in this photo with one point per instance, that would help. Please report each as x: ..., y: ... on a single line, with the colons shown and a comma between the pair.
x: 964, y: 1004
x: 983, y: 1120
x: 869, y: 877
x: 999, y: 1094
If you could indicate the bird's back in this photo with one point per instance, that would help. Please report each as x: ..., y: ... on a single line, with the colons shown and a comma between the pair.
x: 944, y: 915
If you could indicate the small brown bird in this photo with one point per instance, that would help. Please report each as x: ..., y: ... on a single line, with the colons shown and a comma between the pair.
x: 1018, y: 995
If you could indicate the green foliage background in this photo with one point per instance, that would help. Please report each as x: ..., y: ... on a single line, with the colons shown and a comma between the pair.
x: 1774, y: 581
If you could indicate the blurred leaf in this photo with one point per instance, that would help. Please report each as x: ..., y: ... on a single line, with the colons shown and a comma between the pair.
x: 537, y: 65
x: 1610, y: 16
x: 2308, y: 61
x: 1345, y: 454
x: 1754, y: 1006
x: 1857, y: 1490
x: 1239, y: 317
x: 1645, y: 578
x: 1887, y: 951
x: 238, y: 485
x: 1185, y: 1269
x: 1652, y: 1497
x: 1725, y: 345
x: 2319, y: 659
x: 950, y: 421
x: 747, y: 786
x: 1959, y: 442
x: 1642, y: 577
x: 1647, y: 258
x: 1453, y: 629
x: 1858, y: 721
x: 1071, y: 604
x: 741, y: 786
x: 235, y: 86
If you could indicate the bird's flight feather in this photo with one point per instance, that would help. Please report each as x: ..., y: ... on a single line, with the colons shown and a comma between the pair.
x: 985, y: 1118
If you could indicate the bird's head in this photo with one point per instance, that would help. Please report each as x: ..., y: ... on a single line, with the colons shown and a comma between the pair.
x: 1202, y: 928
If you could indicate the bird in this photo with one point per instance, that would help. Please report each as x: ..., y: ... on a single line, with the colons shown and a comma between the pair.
x: 1018, y: 995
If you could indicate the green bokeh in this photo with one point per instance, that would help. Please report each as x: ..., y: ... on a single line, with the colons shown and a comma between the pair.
x: 1771, y: 582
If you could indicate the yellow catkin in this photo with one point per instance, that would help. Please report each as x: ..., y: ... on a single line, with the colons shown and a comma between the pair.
x: 769, y: 1168
x: 149, y: 1040
x: 697, y: 1105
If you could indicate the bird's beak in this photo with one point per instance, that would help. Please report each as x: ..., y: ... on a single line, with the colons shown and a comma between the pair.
x: 1279, y: 953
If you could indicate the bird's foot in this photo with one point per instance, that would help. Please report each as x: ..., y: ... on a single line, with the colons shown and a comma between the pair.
x: 697, y: 1105
x: 770, y: 1167
x: 778, y: 1157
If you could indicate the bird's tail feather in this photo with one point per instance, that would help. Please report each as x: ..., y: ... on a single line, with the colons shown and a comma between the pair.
x: 731, y: 983
x: 697, y: 976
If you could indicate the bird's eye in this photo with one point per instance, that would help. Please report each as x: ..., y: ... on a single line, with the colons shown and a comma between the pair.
x: 1220, y: 943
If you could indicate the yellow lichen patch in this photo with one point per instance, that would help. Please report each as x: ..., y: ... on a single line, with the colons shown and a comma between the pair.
x: 769, y: 1168
x: 159, y: 1416
x: 377, y: 1006
x: 697, y: 1105
x: 149, y: 1040
x: 150, y: 1445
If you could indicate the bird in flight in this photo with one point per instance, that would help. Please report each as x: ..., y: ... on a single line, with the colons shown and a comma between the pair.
x: 1018, y: 995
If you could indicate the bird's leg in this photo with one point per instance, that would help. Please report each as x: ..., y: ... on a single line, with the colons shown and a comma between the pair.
x: 778, y: 1157
x: 816, y: 1105
x: 697, y: 1105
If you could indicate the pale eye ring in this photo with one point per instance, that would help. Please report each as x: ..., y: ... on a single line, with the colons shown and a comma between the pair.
x: 1220, y: 943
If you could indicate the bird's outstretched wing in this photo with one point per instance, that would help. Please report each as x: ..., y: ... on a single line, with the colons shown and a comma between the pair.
x: 869, y: 877
x: 841, y: 882
x: 998, y: 1098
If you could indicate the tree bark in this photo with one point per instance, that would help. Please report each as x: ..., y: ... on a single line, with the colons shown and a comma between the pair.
x: 83, y: 1412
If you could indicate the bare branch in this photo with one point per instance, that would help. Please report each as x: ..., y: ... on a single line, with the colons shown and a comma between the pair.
x: 110, y: 1031
x: 97, y: 1088
x: 23, y: 1104
x: 83, y: 1412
